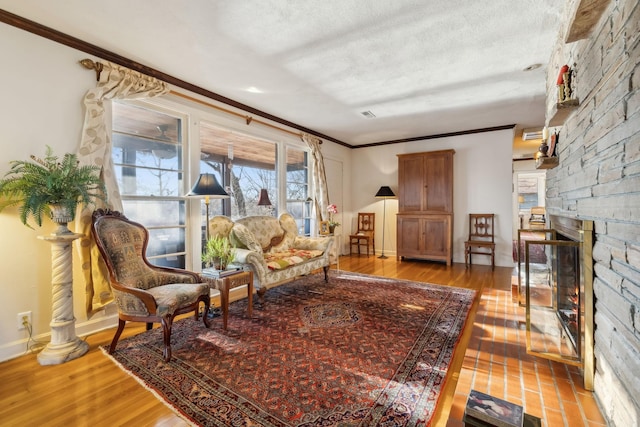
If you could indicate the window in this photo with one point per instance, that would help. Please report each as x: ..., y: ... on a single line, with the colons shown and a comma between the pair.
x: 298, y: 202
x: 244, y: 164
x: 148, y: 160
x: 152, y: 162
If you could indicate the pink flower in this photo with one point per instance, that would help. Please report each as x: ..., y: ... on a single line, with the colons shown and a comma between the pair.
x: 332, y: 209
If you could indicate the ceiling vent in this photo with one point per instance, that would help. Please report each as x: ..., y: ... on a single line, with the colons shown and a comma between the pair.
x: 368, y: 114
x: 531, y: 134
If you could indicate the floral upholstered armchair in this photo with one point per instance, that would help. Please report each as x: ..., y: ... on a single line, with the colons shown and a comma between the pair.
x: 272, y: 248
x: 144, y: 292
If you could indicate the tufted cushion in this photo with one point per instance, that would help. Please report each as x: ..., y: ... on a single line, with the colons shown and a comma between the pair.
x: 282, y: 260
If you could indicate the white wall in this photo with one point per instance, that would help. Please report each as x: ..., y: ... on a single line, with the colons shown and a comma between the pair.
x: 41, y: 104
x: 482, y: 184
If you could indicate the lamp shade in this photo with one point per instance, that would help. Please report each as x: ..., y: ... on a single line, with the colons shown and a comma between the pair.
x: 263, y: 200
x: 385, y: 192
x: 207, y: 185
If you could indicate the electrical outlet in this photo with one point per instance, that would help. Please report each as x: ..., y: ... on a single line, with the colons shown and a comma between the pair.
x: 22, y: 317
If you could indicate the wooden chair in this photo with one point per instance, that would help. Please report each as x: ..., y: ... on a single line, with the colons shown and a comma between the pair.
x: 537, y: 219
x: 365, y: 233
x: 144, y: 292
x: 481, y: 238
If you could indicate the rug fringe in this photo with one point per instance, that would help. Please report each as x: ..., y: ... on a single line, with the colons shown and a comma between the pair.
x: 156, y: 394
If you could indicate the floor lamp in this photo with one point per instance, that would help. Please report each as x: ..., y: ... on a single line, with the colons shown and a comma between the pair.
x: 207, y: 186
x: 384, y: 193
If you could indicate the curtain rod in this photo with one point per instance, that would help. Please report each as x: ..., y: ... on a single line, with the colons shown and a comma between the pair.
x: 98, y: 67
x: 248, y: 119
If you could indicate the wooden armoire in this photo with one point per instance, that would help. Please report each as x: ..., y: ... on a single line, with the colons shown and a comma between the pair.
x: 425, y: 206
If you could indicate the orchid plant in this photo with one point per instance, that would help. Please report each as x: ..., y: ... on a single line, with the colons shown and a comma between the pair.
x: 332, y: 209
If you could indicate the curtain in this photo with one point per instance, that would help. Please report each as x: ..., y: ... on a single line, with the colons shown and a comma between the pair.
x: 319, y: 177
x: 115, y: 82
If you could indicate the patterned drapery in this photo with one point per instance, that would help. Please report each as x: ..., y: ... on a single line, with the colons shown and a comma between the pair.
x: 319, y: 177
x: 115, y: 82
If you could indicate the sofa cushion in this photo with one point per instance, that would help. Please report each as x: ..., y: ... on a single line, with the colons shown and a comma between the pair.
x: 282, y: 260
x: 242, y: 237
x: 288, y: 224
x: 220, y: 226
x: 264, y: 229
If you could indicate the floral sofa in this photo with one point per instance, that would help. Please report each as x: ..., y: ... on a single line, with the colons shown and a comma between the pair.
x: 272, y: 248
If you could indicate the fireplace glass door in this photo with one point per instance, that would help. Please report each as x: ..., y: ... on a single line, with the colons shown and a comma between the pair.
x: 554, y: 304
x: 555, y: 283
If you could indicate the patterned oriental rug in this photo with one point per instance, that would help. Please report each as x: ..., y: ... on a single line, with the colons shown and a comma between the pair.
x: 360, y: 350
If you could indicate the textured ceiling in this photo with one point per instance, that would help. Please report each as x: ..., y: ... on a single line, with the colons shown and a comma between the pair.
x: 421, y: 67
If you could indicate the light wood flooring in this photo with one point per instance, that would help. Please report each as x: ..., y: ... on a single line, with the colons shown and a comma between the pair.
x: 93, y: 391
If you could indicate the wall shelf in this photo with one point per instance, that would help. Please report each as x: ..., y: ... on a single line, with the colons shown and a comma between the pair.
x: 546, y: 162
x: 562, y: 110
x: 586, y: 16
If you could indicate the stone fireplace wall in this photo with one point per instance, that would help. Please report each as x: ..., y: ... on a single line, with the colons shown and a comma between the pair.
x: 598, y: 178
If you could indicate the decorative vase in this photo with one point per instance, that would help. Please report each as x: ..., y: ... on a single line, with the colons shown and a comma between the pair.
x: 61, y: 215
x: 332, y: 228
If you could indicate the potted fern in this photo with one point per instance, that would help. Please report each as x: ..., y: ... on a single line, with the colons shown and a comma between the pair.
x: 50, y: 186
x: 218, y: 252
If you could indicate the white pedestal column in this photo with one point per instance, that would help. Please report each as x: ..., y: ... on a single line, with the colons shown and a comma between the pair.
x: 64, y: 345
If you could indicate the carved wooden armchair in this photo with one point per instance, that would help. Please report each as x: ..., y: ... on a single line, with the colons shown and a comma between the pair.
x: 144, y: 292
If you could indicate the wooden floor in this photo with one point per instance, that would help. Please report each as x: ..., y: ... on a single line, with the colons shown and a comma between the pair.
x: 93, y: 391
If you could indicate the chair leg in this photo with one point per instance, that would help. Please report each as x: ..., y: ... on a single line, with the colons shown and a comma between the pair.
x: 326, y: 273
x: 205, y: 318
x: 116, y: 337
x: 260, y: 292
x: 167, y: 323
x: 466, y: 256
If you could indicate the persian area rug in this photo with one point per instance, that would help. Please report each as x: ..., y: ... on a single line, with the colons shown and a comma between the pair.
x: 360, y: 350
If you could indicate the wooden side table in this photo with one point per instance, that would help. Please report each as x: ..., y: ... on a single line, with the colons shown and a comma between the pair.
x: 230, y: 281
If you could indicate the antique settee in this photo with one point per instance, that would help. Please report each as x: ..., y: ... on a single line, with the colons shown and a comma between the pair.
x: 272, y: 248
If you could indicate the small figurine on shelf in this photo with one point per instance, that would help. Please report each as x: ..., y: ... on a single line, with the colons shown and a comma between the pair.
x: 544, y: 148
x: 565, y: 85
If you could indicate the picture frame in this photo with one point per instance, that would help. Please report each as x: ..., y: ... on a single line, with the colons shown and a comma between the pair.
x: 324, y: 228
